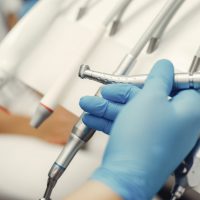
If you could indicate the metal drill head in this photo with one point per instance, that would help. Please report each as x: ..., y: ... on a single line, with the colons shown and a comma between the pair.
x: 153, y: 44
x: 81, y: 13
x: 82, y: 70
x: 115, y: 27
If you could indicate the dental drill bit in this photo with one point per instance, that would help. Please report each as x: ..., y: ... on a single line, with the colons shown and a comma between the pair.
x: 117, y: 20
x: 156, y: 37
x: 195, y: 63
x: 181, y: 80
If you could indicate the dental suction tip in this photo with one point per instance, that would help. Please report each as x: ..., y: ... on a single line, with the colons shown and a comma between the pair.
x: 82, y: 70
x: 114, y: 27
x: 81, y: 13
x: 153, y: 44
x: 41, y: 114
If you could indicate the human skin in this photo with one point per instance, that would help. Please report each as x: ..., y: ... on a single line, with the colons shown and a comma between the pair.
x: 55, y: 130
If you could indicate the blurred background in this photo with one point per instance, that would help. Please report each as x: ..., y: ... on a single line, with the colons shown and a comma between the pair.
x: 27, y: 154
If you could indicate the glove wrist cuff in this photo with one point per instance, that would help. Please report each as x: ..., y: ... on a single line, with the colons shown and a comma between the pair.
x: 121, y: 186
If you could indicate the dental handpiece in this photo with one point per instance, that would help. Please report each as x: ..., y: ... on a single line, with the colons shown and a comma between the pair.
x: 80, y: 135
x: 181, y: 80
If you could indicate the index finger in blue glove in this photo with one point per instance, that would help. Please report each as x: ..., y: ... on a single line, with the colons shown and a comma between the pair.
x: 161, y: 78
x: 98, y: 123
x: 100, y: 107
x: 119, y: 93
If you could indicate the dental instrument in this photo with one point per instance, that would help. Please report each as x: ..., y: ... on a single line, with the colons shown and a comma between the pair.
x: 117, y: 20
x: 156, y: 37
x: 195, y: 63
x: 83, y: 9
x: 181, y: 80
x: 81, y: 134
x: 53, y: 97
x: 21, y: 40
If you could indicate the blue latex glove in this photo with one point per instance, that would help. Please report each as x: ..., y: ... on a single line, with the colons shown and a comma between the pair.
x: 103, y: 111
x: 150, y: 137
x: 26, y: 7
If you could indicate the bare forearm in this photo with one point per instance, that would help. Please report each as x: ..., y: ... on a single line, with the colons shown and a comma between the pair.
x: 94, y: 190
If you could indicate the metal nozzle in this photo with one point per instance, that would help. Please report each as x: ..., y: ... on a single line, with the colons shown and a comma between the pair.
x: 82, y: 70
x: 181, y: 80
x: 153, y: 45
x: 114, y: 27
x: 41, y: 114
x: 81, y: 13
x: 195, y: 65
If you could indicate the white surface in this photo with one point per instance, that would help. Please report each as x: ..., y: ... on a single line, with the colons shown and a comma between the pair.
x: 49, y: 59
x: 25, y: 163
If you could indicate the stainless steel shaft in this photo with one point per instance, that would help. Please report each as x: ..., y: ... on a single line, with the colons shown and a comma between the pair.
x: 181, y: 80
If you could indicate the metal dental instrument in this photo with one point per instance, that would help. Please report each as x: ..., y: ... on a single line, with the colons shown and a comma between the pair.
x: 156, y: 37
x: 195, y: 63
x: 117, y: 20
x: 81, y: 134
x: 53, y: 97
x: 83, y: 9
x: 181, y: 80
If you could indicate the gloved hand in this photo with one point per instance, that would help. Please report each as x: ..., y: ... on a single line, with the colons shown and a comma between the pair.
x: 103, y: 111
x: 150, y: 137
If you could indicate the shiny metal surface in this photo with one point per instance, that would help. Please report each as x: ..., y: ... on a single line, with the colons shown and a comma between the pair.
x: 126, y: 65
x: 156, y: 37
x: 165, y: 11
x: 41, y: 114
x: 69, y: 151
x: 181, y: 80
x: 195, y: 65
x: 117, y: 21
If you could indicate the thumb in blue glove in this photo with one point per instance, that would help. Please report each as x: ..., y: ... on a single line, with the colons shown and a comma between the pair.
x: 150, y: 137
